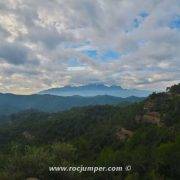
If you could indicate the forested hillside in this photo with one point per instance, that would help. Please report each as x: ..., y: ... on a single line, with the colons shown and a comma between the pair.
x: 145, y: 135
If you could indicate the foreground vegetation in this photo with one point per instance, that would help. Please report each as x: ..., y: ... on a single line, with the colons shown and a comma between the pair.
x: 145, y: 135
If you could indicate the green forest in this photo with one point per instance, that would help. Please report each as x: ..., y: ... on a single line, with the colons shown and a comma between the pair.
x: 145, y: 135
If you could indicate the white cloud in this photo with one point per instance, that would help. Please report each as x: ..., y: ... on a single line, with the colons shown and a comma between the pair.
x: 39, y: 38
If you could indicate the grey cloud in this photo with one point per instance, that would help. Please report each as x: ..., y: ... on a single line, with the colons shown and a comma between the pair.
x: 45, y: 34
x: 13, y: 53
x: 3, y: 33
x: 49, y: 37
x: 16, y: 53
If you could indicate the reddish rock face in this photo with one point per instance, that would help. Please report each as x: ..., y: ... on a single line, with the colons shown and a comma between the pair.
x: 152, y: 117
x: 123, y: 134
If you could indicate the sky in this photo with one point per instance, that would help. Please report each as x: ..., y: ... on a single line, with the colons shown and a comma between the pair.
x: 54, y: 43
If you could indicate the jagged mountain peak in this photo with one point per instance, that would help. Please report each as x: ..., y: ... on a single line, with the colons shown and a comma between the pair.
x: 95, y: 89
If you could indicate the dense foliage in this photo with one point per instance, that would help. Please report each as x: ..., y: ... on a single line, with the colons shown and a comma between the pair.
x: 31, y: 141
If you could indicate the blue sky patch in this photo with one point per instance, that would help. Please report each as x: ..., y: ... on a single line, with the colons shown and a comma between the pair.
x: 91, y: 53
x: 73, y: 62
x: 103, y: 56
x: 144, y: 14
x: 175, y: 23
x: 110, y: 55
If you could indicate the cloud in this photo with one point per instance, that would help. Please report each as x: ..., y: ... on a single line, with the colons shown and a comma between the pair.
x: 39, y: 39
x: 15, y: 53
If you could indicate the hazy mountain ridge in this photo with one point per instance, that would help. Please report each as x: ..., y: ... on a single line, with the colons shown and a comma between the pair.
x: 11, y: 103
x: 94, y: 90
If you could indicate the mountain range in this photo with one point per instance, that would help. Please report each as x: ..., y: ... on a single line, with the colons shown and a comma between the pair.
x: 11, y: 103
x: 95, y: 90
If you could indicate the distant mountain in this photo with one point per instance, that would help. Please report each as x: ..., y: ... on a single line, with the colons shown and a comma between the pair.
x: 10, y: 103
x: 95, y: 90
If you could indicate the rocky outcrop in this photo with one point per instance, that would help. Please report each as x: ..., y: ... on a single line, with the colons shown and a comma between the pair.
x: 149, y: 114
x: 123, y: 134
x: 152, y: 117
